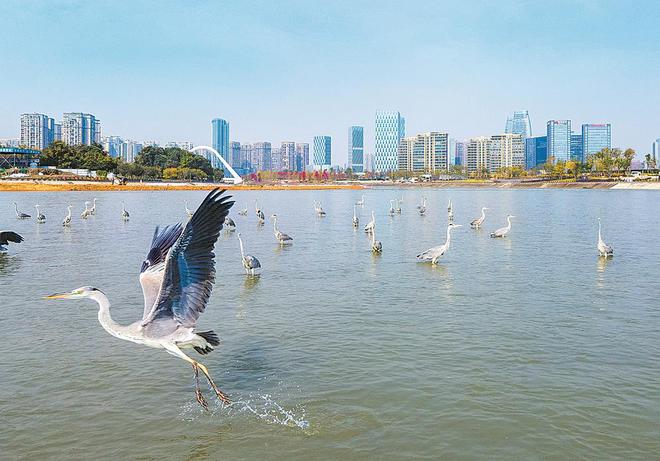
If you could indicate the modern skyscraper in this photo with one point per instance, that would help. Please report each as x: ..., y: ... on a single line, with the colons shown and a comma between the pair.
x: 461, y: 153
x: 322, y: 152
x: 426, y: 152
x: 576, y: 148
x: 302, y: 156
x: 390, y: 128
x: 595, y: 137
x: 519, y: 123
x: 79, y: 128
x: 559, y: 140
x: 220, y: 141
x: 655, y: 150
x: 288, y: 154
x: 37, y: 131
x: 477, y: 154
x: 356, y: 149
x: 536, y: 151
x: 506, y: 151
x: 235, y: 154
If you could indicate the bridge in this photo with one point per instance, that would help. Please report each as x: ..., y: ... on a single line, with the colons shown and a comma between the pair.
x: 235, y: 178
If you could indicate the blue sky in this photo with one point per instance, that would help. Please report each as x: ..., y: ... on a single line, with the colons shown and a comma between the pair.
x: 289, y: 70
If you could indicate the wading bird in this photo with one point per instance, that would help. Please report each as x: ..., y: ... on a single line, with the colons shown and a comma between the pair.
x: 319, y: 209
x: 371, y: 225
x: 41, y: 218
x: 280, y: 236
x: 8, y: 236
x: 125, y: 215
x: 86, y: 212
x: 476, y: 224
x: 189, y: 212
x: 250, y: 263
x: 92, y: 210
x: 391, y: 210
x: 501, y: 232
x: 230, y: 225
x: 398, y: 205
x: 376, y: 246
x: 422, y: 208
x: 433, y: 254
x: 360, y: 202
x: 176, y: 277
x: 450, y: 212
x: 259, y: 213
x: 67, y: 218
x: 244, y: 211
x: 356, y: 221
x: 19, y: 214
x: 604, y: 249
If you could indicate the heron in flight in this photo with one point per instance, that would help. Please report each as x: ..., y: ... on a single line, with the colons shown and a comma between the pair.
x: 67, y: 218
x: 244, y: 211
x: 41, y: 218
x: 501, y: 232
x: 250, y: 263
x: 371, y: 225
x: 360, y: 202
x: 8, y: 236
x: 356, y: 221
x: 92, y: 210
x: 603, y: 249
x: 125, y: 215
x: 21, y: 215
x: 280, y: 236
x: 376, y: 246
x: 476, y: 224
x: 86, y: 212
x: 259, y: 213
x: 177, y: 278
x: 230, y: 225
x: 189, y: 212
x: 433, y: 254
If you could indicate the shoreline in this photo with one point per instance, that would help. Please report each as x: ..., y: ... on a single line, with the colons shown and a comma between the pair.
x: 70, y: 186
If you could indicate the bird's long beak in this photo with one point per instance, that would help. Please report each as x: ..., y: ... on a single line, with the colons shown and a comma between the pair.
x: 58, y: 296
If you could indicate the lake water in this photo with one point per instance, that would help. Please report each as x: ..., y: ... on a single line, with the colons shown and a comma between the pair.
x: 528, y: 347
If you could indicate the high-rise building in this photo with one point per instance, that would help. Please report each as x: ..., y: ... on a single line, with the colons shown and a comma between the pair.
x: 322, y: 152
x: 559, y: 140
x: 506, y: 151
x: 276, y: 159
x: 220, y: 141
x: 302, y: 156
x: 246, y: 157
x: 10, y: 142
x: 235, y: 154
x: 536, y: 151
x: 288, y: 154
x: 426, y: 152
x: 460, y: 154
x: 519, y: 123
x: 477, y: 154
x: 390, y: 128
x: 576, y: 148
x: 261, y: 156
x: 124, y: 149
x: 38, y: 131
x: 79, y: 128
x: 356, y: 149
x: 655, y: 150
x: 186, y: 145
x: 595, y: 137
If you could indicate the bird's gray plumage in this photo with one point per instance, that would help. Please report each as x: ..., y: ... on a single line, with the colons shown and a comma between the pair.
x: 9, y: 236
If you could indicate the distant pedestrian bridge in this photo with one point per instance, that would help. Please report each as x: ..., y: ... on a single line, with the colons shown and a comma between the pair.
x: 214, y: 156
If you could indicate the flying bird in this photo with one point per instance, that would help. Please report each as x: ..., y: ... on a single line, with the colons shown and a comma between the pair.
x: 433, y: 254
x: 603, y: 249
x: 8, y: 236
x: 177, y: 278
x: 501, y: 232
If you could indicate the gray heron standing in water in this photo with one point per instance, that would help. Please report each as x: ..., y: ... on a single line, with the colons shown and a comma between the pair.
x: 502, y: 231
x: 92, y: 210
x: 176, y: 277
x: 433, y: 254
x: 356, y: 221
x: 476, y: 224
x: 603, y: 249
x: 391, y: 210
x: 259, y: 213
x: 422, y: 208
x: 230, y: 225
x: 360, y: 202
x: 376, y: 246
x: 244, y: 211
x: 450, y: 212
x: 19, y: 214
x: 371, y: 225
x: 86, y: 212
x: 41, y: 218
x: 319, y: 209
x: 67, y: 218
x: 125, y: 215
x: 279, y: 235
x: 398, y: 204
x: 8, y: 236
x: 250, y: 263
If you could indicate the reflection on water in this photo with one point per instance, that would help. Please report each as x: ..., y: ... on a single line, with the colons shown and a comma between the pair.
x: 507, y: 347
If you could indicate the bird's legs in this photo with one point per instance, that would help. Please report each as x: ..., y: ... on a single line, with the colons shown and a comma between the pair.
x: 221, y: 395
x: 198, y: 391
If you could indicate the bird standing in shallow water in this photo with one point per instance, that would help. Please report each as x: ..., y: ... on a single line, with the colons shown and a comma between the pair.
x: 177, y: 278
x: 502, y: 231
x: 433, y: 254
x: 41, y: 218
x: 279, y: 235
x: 250, y: 263
x: 67, y: 218
x: 125, y: 215
x: 19, y: 214
x: 476, y: 224
x: 603, y: 249
x: 356, y: 221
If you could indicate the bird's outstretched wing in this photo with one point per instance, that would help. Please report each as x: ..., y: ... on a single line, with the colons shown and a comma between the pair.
x: 153, y: 267
x: 190, y: 264
x: 10, y: 236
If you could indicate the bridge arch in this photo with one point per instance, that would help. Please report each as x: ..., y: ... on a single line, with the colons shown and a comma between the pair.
x: 237, y: 179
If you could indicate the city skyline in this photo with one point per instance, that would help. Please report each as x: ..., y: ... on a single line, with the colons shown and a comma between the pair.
x: 217, y: 61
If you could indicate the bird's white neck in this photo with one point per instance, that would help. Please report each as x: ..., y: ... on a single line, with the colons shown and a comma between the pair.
x: 600, y: 238
x: 508, y: 220
x: 105, y: 319
x: 448, y: 236
x: 483, y: 213
x: 240, y: 242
